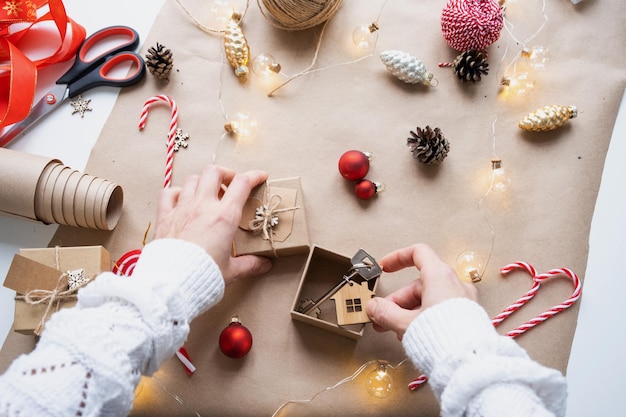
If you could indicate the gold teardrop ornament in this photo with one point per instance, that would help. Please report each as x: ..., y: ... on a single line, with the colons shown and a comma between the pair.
x: 548, y: 118
x: 237, y: 49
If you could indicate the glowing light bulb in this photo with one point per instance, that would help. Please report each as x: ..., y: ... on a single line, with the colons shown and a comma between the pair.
x: 469, y: 266
x: 536, y: 57
x: 500, y: 180
x: 379, y: 383
x: 519, y: 84
x: 264, y: 65
x: 220, y: 12
x: 364, y: 36
x: 242, y: 124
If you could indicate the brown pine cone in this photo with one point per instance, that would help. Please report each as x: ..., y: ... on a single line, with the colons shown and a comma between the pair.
x: 470, y: 65
x: 428, y: 145
x: 159, y: 61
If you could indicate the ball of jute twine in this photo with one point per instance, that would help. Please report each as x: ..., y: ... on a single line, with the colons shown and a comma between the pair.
x: 298, y: 14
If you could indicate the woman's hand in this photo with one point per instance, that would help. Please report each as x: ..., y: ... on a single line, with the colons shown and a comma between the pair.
x: 206, y: 211
x: 438, y: 282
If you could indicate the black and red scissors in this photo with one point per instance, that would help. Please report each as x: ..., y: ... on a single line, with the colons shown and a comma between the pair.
x: 87, y: 73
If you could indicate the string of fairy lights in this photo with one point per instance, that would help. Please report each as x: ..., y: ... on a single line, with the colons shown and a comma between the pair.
x: 471, y: 264
x: 517, y: 81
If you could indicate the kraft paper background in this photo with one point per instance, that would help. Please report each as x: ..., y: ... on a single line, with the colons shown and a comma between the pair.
x: 543, y: 219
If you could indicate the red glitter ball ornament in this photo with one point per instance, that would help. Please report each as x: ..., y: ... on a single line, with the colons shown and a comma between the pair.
x: 366, y: 189
x: 236, y: 339
x: 354, y: 165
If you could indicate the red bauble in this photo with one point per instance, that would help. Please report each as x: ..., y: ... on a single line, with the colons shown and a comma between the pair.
x: 353, y: 165
x: 235, y: 340
x: 366, y: 189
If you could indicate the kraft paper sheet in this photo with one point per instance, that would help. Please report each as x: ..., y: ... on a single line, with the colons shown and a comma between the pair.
x: 543, y: 219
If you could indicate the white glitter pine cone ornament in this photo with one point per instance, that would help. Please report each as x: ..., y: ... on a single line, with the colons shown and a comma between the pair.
x: 428, y: 145
x: 407, y: 68
x: 237, y: 49
x: 548, y: 118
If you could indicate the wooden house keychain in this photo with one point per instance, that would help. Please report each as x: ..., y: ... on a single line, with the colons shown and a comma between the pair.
x: 352, y: 292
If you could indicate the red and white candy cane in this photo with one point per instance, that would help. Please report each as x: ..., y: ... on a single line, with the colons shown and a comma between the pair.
x: 538, y: 279
x: 557, y: 308
x: 522, y: 300
x: 169, y: 162
x: 127, y: 261
x: 126, y: 264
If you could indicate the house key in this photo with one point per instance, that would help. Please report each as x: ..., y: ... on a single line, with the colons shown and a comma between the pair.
x: 363, y: 266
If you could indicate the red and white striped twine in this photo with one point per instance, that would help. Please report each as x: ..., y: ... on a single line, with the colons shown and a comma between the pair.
x: 471, y: 24
x: 538, y: 279
x: 169, y: 163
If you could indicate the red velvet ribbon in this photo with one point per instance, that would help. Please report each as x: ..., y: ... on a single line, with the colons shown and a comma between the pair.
x: 18, y: 73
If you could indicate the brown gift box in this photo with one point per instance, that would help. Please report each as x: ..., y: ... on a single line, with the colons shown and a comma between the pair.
x: 290, y: 236
x: 323, y: 271
x: 37, y: 269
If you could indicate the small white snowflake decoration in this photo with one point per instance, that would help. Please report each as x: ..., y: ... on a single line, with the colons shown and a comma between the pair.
x: 180, y: 139
x: 76, y: 278
x: 264, y: 212
x: 81, y: 105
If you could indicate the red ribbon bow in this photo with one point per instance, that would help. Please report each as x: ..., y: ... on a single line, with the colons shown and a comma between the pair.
x: 20, y: 25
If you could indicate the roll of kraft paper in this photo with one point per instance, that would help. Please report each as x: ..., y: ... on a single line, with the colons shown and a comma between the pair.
x: 43, y: 189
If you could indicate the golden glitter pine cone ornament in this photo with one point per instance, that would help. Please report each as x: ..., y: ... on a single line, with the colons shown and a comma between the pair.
x: 406, y: 68
x: 237, y: 49
x: 428, y: 145
x: 548, y: 118
x: 160, y: 61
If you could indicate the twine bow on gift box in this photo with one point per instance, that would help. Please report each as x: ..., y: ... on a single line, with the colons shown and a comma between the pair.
x: 52, y: 297
x: 62, y: 292
x: 266, y: 216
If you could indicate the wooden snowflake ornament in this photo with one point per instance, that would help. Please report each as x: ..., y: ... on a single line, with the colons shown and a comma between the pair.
x: 180, y: 140
x: 76, y: 278
x: 81, y: 105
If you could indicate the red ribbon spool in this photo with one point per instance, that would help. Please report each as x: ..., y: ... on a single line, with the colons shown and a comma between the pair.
x: 18, y: 79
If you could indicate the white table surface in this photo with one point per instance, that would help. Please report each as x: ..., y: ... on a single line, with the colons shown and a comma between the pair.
x: 597, y: 362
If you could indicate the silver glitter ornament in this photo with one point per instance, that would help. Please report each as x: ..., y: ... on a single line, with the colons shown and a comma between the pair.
x: 406, y: 68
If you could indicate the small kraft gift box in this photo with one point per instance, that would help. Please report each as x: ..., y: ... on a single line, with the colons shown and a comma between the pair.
x: 46, y: 279
x: 339, y: 307
x: 273, y: 221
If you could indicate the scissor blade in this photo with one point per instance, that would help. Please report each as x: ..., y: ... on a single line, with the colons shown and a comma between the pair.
x: 49, y: 102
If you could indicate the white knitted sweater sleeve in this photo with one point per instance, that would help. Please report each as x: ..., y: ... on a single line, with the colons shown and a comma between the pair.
x: 89, y: 358
x: 474, y: 371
